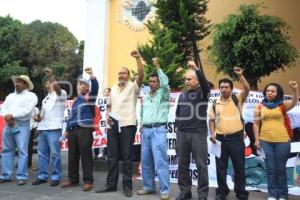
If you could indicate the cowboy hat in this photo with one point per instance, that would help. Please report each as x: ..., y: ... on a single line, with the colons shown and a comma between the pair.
x: 24, y: 78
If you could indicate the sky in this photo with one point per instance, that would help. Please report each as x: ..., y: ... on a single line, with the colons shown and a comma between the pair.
x: 69, y: 13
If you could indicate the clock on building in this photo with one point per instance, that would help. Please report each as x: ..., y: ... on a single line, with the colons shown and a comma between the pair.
x: 135, y: 13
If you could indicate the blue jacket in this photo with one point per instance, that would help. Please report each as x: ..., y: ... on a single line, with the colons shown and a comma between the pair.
x: 82, y: 111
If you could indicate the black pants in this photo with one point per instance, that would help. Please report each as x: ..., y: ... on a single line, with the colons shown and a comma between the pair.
x: 120, y: 143
x: 30, y: 147
x: 232, y: 147
x: 196, y: 144
x: 80, y: 141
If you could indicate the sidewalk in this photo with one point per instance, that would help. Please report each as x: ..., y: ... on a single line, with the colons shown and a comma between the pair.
x: 11, y: 191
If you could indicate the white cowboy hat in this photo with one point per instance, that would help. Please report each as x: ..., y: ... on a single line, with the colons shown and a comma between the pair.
x: 24, y: 78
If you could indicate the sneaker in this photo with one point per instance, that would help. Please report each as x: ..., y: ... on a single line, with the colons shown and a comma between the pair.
x: 271, y: 198
x: 22, y: 182
x: 38, y: 181
x: 144, y: 192
x: 165, y: 197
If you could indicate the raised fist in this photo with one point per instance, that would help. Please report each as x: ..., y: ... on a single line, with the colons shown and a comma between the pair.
x: 155, y: 62
x: 238, y: 70
x: 293, y: 84
x: 135, y: 54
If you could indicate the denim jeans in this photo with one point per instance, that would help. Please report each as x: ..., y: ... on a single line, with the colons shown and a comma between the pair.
x: 277, y: 154
x: 154, y: 157
x: 10, y: 143
x: 49, y: 150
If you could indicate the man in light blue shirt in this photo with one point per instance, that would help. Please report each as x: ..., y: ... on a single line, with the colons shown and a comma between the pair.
x: 154, y: 117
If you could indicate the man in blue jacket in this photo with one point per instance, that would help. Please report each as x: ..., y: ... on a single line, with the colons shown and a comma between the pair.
x: 79, y: 132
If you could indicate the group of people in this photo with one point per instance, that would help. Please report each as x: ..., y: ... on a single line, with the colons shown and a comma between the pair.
x: 191, y: 127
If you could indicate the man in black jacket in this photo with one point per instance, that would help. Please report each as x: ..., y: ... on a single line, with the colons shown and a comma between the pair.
x: 191, y: 132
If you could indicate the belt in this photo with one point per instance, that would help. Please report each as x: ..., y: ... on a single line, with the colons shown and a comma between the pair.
x: 154, y: 125
x: 231, y: 135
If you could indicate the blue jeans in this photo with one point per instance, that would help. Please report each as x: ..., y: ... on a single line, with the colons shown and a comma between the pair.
x: 277, y: 154
x: 49, y: 150
x: 11, y: 142
x: 154, y: 156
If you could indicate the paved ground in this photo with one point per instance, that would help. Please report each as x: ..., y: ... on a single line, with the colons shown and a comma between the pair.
x: 10, y: 191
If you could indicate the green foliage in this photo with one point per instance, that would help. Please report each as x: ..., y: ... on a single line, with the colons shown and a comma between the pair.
x: 29, y: 48
x: 11, y: 69
x: 188, y: 24
x: 259, y: 43
x: 9, y: 34
x: 162, y: 47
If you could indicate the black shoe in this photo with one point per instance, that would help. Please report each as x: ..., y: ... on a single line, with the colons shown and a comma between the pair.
x: 5, y: 180
x: 106, y: 189
x: 184, y: 196
x: 54, y: 183
x: 38, y: 181
x: 127, y: 192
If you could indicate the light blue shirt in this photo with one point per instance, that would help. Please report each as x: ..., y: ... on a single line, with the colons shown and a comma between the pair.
x: 155, y: 108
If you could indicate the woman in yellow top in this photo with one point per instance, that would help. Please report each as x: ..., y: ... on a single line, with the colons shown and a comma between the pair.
x: 272, y: 136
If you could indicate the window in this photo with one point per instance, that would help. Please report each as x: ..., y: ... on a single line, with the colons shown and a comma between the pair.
x: 141, y: 10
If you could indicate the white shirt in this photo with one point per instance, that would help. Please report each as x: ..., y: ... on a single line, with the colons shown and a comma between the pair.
x: 20, y: 105
x: 52, y: 112
x: 33, y: 124
x: 123, y: 103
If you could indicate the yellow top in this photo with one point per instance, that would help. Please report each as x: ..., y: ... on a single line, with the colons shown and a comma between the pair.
x: 228, y: 118
x: 272, y: 125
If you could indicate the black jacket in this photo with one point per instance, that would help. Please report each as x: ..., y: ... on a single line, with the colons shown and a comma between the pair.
x: 191, y: 112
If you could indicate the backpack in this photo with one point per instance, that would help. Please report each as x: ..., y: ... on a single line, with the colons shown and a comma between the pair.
x: 287, y: 121
x: 236, y: 103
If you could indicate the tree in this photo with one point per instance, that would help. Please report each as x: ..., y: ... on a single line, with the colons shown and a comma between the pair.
x: 30, y: 48
x: 162, y: 47
x: 187, y: 24
x: 259, y: 43
x: 9, y: 65
x: 47, y: 44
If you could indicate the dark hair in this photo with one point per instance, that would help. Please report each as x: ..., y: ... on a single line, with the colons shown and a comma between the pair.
x: 226, y: 80
x: 211, y: 85
x: 107, y: 89
x: 280, y: 92
x: 56, y: 86
x: 154, y: 74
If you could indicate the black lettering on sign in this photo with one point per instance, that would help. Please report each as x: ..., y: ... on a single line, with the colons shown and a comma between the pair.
x: 102, y: 108
x: 100, y: 101
x: 173, y: 173
x: 173, y: 159
x: 208, y: 159
x: 103, y: 123
x: 171, y: 127
x: 172, y: 143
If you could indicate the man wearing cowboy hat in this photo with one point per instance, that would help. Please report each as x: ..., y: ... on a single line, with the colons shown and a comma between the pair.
x: 16, y: 111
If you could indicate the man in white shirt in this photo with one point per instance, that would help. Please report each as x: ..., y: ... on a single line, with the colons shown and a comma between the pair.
x: 16, y: 110
x: 50, y: 130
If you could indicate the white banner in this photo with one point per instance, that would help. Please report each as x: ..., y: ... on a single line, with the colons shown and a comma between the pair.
x: 255, y: 167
